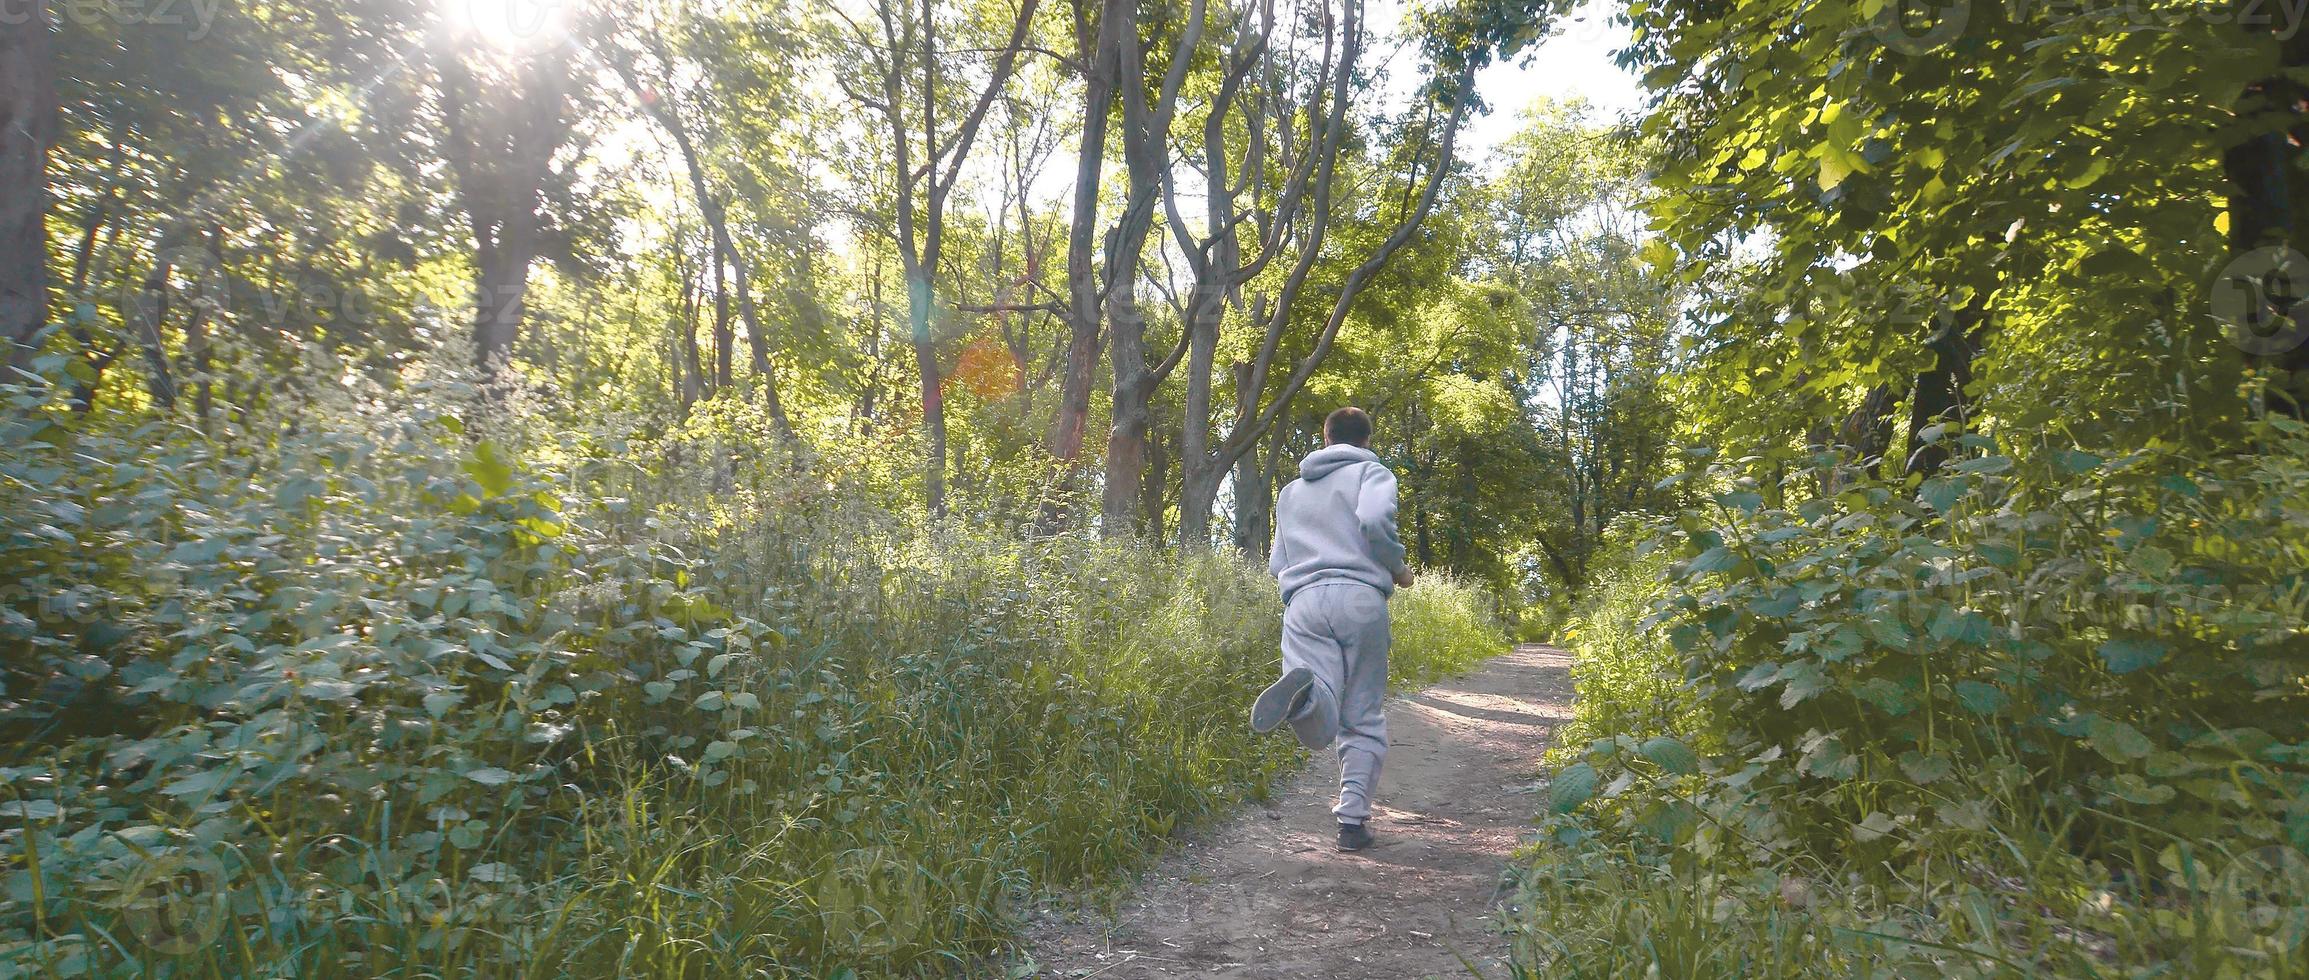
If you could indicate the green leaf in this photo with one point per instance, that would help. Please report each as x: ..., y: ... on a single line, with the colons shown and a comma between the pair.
x: 1804, y: 679
x: 2117, y: 741
x: 1671, y: 755
x: 1889, y: 632
x: 490, y: 469
x: 1573, y: 786
x: 491, y: 776
x: 1941, y: 493
x: 1835, y: 165
x: 1923, y: 769
x: 2131, y: 788
x: 2073, y: 461
x: 1952, y: 625
x: 1715, y: 559
x: 1782, y: 603
x: 2125, y: 654
x: 1876, y: 826
x: 1760, y: 676
x: 1885, y: 693
x: 1840, y: 644
x: 199, y: 783
x: 1979, y: 698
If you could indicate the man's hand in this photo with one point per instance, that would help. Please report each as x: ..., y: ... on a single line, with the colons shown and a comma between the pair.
x: 1403, y: 578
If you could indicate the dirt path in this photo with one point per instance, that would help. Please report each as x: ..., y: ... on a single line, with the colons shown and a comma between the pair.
x: 1267, y: 895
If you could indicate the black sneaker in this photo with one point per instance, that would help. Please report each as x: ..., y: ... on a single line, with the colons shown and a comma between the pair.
x: 1352, y: 836
x: 1281, y: 699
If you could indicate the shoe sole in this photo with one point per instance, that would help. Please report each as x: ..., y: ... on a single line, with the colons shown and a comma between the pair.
x: 1274, y: 703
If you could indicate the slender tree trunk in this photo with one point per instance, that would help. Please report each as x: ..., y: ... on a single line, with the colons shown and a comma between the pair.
x: 918, y: 316
x: 725, y: 338
x: 1202, y: 470
x: 82, y: 390
x: 924, y: 189
x: 146, y: 319
x: 1134, y: 379
x: 686, y: 337
x: 1154, y: 500
x: 27, y: 129
x: 1126, y: 441
x: 716, y: 214
x: 1254, y: 484
x: 1424, y: 541
x: 1100, y: 53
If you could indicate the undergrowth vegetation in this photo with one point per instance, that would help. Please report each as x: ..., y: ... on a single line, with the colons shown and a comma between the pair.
x: 396, y: 682
x: 2040, y: 714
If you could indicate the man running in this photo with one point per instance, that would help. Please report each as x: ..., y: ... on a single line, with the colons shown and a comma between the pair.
x: 1338, y: 558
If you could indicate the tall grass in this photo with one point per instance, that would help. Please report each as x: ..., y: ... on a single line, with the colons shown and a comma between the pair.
x: 404, y: 688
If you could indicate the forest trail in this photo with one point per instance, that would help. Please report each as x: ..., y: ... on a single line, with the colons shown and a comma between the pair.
x: 1268, y: 895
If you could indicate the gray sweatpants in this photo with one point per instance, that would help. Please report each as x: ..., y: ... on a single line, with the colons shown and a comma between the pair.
x: 1338, y: 630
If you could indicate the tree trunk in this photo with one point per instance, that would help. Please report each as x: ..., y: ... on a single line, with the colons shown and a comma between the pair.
x: 1134, y: 380
x: 1101, y: 54
x: 1198, y: 497
x: 27, y: 129
x: 2266, y: 196
x: 918, y: 315
x: 1867, y: 432
x: 1126, y: 441
x: 1940, y: 390
x: 501, y: 162
x: 725, y: 338
x: 501, y: 290
x: 1155, y: 498
x: 1254, y: 486
x: 693, y: 378
x: 148, y: 315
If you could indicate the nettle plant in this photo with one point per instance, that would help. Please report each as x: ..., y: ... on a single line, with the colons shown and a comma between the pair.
x: 2106, y: 654
x: 323, y: 680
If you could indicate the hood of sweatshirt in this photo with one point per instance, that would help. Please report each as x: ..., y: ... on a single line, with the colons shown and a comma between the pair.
x: 1330, y: 459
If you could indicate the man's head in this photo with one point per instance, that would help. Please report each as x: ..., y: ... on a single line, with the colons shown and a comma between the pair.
x: 1348, y: 426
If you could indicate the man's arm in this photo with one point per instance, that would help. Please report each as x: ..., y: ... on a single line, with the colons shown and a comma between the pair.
x: 1375, y: 510
x: 1276, y: 561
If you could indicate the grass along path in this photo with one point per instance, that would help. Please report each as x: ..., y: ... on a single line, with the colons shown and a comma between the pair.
x: 1267, y: 895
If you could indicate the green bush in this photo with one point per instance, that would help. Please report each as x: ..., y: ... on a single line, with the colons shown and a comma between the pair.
x: 2039, y: 714
x: 398, y: 683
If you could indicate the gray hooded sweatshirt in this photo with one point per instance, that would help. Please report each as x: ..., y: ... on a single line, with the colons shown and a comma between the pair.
x: 1337, y: 521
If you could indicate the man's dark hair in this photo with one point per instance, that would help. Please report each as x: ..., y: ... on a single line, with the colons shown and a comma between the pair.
x: 1349, y: 425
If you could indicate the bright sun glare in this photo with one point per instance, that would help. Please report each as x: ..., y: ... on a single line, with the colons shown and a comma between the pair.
x: 507, y: 25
